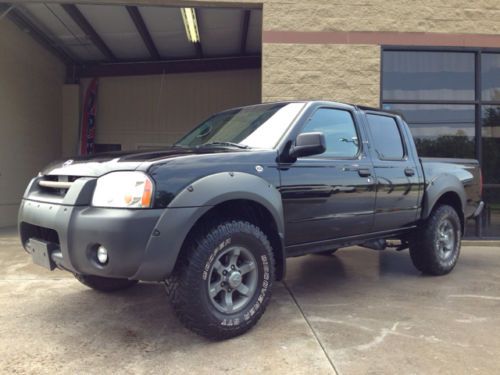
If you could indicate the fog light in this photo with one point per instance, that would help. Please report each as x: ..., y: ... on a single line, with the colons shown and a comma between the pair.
x: 102, y: 255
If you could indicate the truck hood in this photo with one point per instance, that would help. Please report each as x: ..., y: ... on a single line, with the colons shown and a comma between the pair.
x: 100, y: 164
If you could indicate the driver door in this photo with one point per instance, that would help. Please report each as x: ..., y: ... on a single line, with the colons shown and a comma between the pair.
x: 331, y: 195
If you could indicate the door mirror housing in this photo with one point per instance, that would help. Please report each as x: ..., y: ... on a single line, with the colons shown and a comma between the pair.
x: 308, y: 144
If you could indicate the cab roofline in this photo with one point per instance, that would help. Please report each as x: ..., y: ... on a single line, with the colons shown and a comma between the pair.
x: 325, y: 102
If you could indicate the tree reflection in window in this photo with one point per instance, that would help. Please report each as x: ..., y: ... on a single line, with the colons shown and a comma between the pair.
x: 491, y: 144
x: 454, y: 146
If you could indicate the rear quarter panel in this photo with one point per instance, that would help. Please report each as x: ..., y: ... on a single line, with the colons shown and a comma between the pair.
x: 458, y: 175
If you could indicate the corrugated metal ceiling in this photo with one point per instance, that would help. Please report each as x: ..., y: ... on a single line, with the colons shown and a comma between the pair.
x: 221, y: 31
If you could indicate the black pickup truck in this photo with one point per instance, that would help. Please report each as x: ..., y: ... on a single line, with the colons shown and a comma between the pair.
x: 216, y: 215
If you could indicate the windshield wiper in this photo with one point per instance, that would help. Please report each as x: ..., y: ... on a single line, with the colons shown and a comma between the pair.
x: 232, y: 144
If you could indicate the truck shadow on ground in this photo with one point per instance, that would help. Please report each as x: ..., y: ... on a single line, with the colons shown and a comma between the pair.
x: 142, y: 317
x: 350, y: 265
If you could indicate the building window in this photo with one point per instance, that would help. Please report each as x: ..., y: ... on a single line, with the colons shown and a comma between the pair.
x: 451, y: 101
x: 441, y: 130
x: 413, y: 75
x: 490, y: 76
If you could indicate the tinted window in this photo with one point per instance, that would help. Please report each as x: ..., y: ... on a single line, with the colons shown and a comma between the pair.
x: 490, y: 76
x: 489, y: 166
x: 491, y: 144
x: 339, y: 130
x: 386, y: 137
x: 440, y: 130
x: 417, y: 75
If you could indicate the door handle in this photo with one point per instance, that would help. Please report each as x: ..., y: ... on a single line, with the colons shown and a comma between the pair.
x: 364, y: 172
x: 409, y: 172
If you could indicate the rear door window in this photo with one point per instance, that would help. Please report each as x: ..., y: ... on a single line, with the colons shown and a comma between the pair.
x: 386, y: 136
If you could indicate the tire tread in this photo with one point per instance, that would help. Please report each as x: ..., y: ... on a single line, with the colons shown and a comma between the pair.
x: 422, y: 247
x: 184, y: 279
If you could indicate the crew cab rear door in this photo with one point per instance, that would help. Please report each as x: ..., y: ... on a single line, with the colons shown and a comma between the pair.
x: 331, y: 195
x: 396, y: 172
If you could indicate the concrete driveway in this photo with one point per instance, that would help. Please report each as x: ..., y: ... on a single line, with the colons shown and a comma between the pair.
x: 356, y: 312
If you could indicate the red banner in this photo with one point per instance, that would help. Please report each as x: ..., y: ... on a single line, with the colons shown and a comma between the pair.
x: 87, y: 135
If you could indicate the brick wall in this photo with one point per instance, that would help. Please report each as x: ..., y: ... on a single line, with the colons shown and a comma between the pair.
x: 348, y: 73
x: 441, y: 16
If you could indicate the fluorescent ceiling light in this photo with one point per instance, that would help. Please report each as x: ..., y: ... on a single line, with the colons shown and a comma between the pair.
x: 191, y: 24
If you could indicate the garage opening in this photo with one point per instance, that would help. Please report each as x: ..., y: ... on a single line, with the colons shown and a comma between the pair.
x: 138, y: 76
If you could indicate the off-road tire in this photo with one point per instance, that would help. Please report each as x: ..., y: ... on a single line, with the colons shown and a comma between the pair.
x: 426, y: 248
x: 188, y: 287
x: 105, y: 284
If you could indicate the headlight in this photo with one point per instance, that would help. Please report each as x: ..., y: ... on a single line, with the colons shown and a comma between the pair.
x: 123, y: 189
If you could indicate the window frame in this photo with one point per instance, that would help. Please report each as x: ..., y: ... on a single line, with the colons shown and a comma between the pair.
x: 398, y: 126
x: 356, y: 129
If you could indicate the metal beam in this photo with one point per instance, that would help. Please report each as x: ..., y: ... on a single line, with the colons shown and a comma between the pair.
x: 167, y: 67
x: 87, y: 28
x: 199, y: 50
x: 25, y: 24
x: 198, y: 46
x: 244, y: 31
x: 134, y: 13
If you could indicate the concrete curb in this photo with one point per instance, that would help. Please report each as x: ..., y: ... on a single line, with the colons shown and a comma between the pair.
x: 485, y: 243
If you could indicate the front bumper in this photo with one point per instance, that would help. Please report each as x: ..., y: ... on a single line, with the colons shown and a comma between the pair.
x: 142, y: 244
x: 75, y: 233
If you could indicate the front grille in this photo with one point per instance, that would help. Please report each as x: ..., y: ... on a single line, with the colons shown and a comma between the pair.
x: 56, y: 185
x: 39, y: 233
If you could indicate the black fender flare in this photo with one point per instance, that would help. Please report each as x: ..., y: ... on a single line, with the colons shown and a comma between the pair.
x: 191, y: 204
x: 445, y: 183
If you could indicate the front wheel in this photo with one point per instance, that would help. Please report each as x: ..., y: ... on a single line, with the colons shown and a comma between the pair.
x: 223, y: 283
x: 105, y: 284
x: 436, y: 245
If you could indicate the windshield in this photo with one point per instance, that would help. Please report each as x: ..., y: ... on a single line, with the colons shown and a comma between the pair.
x: 260, y: 126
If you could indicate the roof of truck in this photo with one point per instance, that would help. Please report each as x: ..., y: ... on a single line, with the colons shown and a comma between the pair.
x: 359, y: 107
x: 330, y: 102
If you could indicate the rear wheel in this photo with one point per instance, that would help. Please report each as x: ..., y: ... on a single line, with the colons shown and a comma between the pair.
x: 436, y: 246
x: 105, y: 284
x: 223, y: 283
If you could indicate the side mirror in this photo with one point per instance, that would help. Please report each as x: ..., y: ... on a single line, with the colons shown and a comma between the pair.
x: 308, y: 144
